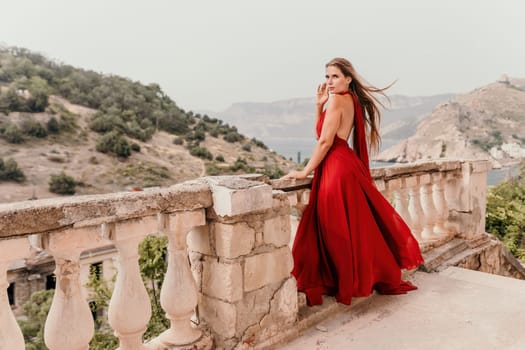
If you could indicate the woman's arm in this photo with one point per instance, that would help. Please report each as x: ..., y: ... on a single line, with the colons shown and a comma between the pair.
x: 330, y: 126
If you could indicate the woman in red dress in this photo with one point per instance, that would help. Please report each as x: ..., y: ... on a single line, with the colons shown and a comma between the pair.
x: 350, y: 240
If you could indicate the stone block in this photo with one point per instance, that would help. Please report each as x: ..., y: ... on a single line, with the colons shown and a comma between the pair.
x: 292, y: 198
x: 198, y: 240
x: 253, y: 307
x: 221, y: 280
x: 233, y: 196
x: 220, y: 316
x: 277, y: 230
x: 233, y: 240
x: 284, y: 306
x: 266, y: 268
x: 305, y: 197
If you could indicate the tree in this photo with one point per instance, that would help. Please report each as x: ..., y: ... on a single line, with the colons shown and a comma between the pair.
x: 36, y: 310
x: 153, y: 265
x: 505, y: 216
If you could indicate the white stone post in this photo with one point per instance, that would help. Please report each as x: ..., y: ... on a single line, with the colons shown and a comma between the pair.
x: 414, y: 207
x: 441, y: 204
x: 178, y: 295
x: 129, y: 308
x: 10, y: 335
x: 69, y: 324
x: 398, y: 188
x: 429, y: 210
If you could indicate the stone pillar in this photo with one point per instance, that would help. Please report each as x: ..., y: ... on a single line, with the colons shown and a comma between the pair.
x: 473, y: 198
x: 129, y: 308
x: 429, y: 210
x: 247, y: 293
x: 398, y: 186
x: 178, y: 295
x: 440, y: 203
x: 69, y: 324
x: 414, y: 207
x: 10, y: 335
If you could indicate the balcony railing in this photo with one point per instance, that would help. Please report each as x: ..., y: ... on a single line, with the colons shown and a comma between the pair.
x: 228, y: 253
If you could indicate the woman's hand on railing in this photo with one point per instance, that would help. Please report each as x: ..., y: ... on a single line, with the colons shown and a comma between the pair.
x: 295, y: 174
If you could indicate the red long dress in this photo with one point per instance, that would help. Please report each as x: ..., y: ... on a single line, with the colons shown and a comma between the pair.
x: 350, y: 239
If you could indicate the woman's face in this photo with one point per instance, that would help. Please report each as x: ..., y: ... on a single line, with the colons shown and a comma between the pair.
x: 336, y: 81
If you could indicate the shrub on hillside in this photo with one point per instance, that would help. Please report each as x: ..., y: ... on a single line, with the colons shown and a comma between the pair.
x: 219, y: 158
x: 62, y: 184
x: 33, y: 128
x: 52, y: 125
x: 247, y: 147
x: 114, y: 142
x: 201, y: 152
x: 178, y: 141
x: 9, y: 171
x: 233, y: 136
x: 13, y: 134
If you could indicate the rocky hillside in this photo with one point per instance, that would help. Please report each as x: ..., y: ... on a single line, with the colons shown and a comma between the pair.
x: 488, y: 122
x: 103, y: 134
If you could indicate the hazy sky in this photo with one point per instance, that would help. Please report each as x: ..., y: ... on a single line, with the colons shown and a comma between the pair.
x: 210, y: 54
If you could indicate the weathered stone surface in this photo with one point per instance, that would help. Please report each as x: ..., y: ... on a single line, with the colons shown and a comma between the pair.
x: 252, y: 308
x: 54, y: 213
x: 221, y: 280
x: 282, y: 315
x: 199, y: 240
x: 277, y: 230
x: 267, y: 268
x: 220, y: 316
x: 233, y: 240
x: 233, y: 196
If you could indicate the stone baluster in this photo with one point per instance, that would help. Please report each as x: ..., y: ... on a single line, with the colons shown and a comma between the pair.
x: 129, y: 308
x: 451, y: 192
x: 401, y: 200
x: 414, y: 207
x: 441, y: 204
x: 429, y: 210
x: 178, y: 295
x: 10, y: 335
x: 69, y: 324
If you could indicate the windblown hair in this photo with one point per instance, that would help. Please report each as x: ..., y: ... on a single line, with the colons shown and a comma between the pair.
x: 367, y: 100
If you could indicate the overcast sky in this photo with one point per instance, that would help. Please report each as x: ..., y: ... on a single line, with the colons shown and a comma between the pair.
x: 210, y: 54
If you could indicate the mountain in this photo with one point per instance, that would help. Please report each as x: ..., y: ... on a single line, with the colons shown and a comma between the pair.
x: 488, y: 122
x: 287, y: 126
x: 101, y: 133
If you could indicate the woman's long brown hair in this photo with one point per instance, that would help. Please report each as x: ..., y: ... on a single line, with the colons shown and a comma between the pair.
x: 365, y: 95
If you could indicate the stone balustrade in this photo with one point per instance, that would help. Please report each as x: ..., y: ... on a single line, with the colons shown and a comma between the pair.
x: 228, y: 279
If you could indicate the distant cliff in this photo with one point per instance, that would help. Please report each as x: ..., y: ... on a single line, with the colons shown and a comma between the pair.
x: 488, y: 122
x: 289, y: 123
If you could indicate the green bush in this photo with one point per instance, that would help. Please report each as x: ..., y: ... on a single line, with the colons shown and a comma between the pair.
x: 259, y: 143
x: 505, y: 216
x: 52, y: 125
x: 9, y: 171
x: 114, y: 142
x: 247, y: 147
x: 135, y: 147
x: 33, y: 128
x: 201, y: 152
x: 273, y: 171
x: 13, y: 134
x: 219, y: 158
x: 62, y: 184
x: 178, y: 141
x: 233, y: 136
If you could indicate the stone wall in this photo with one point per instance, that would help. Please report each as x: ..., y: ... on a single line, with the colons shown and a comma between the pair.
x: 242, y: 262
